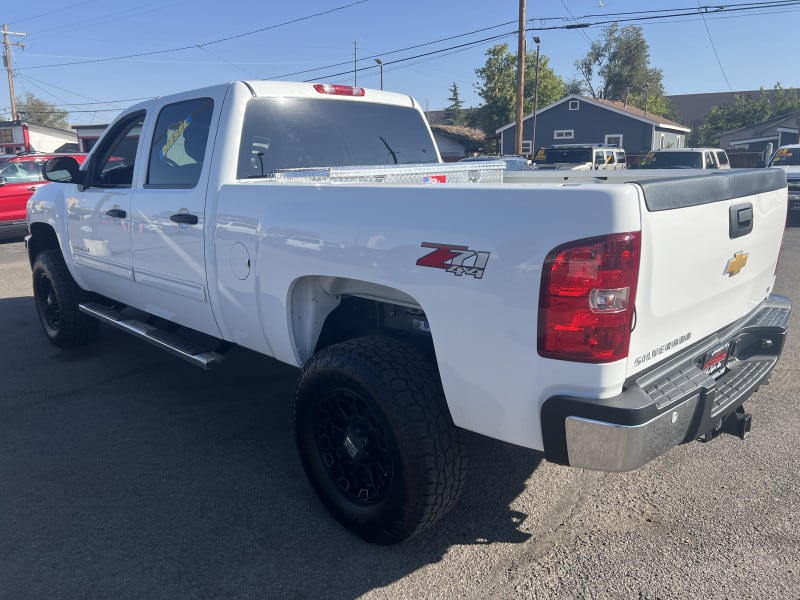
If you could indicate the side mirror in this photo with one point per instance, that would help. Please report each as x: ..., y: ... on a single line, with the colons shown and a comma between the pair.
x: 2, y: 180
x: 64, y: 169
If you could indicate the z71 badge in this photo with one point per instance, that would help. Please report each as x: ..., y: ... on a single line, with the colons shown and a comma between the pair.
x: 458, y: 260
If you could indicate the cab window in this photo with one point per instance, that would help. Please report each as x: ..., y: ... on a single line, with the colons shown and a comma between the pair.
x: 179, y: 144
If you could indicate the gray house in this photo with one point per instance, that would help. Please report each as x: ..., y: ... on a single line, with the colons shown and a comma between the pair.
x: 778, y: 131
x: 582, y: 120
x: 456, y: 141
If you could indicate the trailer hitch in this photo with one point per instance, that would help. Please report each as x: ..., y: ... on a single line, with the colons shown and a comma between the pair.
x: 737, y: 423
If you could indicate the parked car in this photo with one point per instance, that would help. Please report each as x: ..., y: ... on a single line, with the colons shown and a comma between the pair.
x: 581, y: 157
x: 513, y: 162
x: 687, y: 158
x: 20, y: 176
x: 788, y: 159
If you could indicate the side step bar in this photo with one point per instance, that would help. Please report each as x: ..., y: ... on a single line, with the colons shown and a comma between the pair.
x: 194, y: 347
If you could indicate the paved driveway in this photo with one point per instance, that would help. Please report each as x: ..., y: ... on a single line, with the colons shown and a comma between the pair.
x: 125, y: 473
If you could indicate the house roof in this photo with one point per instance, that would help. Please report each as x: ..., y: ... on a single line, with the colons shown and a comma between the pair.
x: 617, y: 107
x: 460, y: 133
x: 791, y: 120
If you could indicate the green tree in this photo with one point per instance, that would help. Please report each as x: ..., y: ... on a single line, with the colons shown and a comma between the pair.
x: 455, y: 112
x: 497, y: 86
x: 36, y: 110
x: 744, y: 112
x: 574, y: 86
x: 784, y: 101
x: 617, y: 67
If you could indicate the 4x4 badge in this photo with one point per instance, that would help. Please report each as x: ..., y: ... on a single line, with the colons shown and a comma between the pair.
x: 735, y: 264
x: 458, y: 260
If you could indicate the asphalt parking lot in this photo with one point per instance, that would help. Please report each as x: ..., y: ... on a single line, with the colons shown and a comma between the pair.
x: 126, y: 473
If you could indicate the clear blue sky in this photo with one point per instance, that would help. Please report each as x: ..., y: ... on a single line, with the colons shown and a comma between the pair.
x: 237, y: 39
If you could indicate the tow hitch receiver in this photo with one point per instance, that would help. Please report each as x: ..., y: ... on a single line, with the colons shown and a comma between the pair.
x: 738, y: 423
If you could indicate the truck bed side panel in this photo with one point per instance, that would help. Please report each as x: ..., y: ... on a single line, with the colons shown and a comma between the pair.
x: 484, y: 328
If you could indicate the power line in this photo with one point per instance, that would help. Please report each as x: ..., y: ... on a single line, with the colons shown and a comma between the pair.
x: 575, y: 23
x: 406, y: 49
x: 466, y: 45
x: 716, y: 54
x: 633, y: 16
x: 647, y: 16
x: 210, y: 43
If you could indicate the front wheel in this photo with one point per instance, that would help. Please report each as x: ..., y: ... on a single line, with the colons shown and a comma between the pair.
x: 376, y: 439
x: 57, y: 297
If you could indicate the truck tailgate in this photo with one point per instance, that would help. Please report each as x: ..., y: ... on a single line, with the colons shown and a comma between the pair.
x: 710, y: 246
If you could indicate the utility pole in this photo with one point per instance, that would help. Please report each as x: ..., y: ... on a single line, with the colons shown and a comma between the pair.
x: 355, y: 63
x: 521, y: 52
x: 536, y: 41
x: 7, y: 58
x: 380, y: 64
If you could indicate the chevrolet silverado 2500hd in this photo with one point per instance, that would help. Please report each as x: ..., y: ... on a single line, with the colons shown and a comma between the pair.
x: 601, y: 321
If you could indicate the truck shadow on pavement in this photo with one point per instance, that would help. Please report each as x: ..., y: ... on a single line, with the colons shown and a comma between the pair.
x: 128, y: 473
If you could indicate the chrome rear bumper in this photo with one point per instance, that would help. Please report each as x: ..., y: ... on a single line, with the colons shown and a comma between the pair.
x: 673, y: 403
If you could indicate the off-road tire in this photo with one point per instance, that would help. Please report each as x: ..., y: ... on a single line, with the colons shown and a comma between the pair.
x: 376, y: 439
x: 57, y: 296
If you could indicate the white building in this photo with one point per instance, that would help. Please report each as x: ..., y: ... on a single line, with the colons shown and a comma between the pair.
x: 19, y: 136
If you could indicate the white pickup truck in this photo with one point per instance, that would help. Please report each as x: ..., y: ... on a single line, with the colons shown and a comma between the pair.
x: 788, y: 159
x: 601, y: 323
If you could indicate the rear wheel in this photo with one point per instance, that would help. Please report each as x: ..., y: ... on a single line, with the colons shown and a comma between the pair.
x: 376, y: 439
x: 57, y: 297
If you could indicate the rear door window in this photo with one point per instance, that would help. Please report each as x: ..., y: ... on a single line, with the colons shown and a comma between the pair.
x: 179, y: 144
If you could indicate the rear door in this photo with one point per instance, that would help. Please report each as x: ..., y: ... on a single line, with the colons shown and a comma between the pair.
x: 168, y: 214
x: 710, y: 245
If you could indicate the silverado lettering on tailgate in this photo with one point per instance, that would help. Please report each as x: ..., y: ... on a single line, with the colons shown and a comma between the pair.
x: 659, y: 350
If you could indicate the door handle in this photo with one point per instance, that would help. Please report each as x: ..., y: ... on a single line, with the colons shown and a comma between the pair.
x: 33, y: 188
x: 184, y: 218
x: 117, y: 213
x: 740, y: 220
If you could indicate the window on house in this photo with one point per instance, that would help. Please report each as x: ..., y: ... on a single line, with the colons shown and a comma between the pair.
x: 614, y: 140
x: 574, y: 105
x: 564, y: 134
x: 88, y: 143
x: 526, y: 147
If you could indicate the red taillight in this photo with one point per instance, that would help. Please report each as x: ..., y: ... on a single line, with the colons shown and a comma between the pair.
x: 338, y: 90
x: 586, y: 302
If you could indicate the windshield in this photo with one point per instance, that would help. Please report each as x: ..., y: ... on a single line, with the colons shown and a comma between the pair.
x: 786, y: 157
x: 567, y: 155
x: 301, y: 133
x: 674, y: 160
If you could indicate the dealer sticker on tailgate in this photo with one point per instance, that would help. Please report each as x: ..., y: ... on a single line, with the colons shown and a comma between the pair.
x: 715, y: 361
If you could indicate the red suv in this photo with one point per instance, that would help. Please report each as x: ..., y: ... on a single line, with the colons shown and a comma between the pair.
x: 20, y: 177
